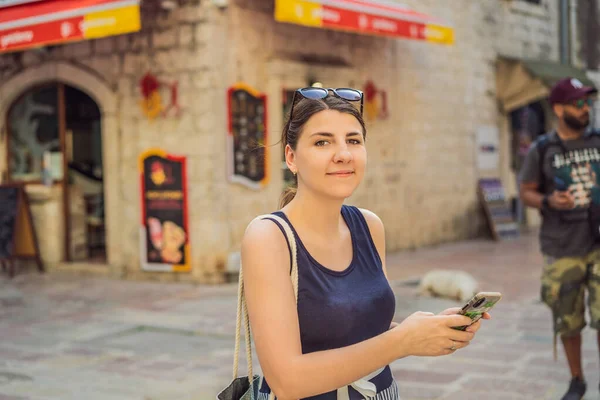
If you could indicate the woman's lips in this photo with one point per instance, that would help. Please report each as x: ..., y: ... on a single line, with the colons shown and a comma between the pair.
x: 341, y: 174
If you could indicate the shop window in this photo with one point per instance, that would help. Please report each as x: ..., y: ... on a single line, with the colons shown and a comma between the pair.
x: 33, y: 125
x: 536, y: 8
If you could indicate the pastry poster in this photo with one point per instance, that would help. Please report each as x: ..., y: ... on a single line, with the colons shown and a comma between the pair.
x: 164, y: 231
x: 246, y: 142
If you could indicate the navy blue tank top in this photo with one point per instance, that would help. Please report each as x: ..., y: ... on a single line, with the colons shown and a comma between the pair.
x: 341, y: 308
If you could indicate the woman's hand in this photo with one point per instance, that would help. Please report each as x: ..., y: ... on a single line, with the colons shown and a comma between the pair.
x: 426, y: 334
x: 472, y: 328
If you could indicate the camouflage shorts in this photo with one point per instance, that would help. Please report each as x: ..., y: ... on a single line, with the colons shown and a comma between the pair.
x: 563, y: 289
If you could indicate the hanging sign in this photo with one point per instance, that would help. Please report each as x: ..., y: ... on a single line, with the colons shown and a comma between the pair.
x: 376, y: 106
x: 247, y: 155
x: 152, y: 102
x: 164, y: 230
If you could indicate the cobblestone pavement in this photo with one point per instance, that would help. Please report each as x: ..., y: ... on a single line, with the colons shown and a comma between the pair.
x: 66, y: 336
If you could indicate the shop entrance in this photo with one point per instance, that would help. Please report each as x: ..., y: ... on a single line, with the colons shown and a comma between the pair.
x: 54, y: 138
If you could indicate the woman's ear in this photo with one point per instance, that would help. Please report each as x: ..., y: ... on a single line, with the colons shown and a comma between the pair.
x: 290, y: 159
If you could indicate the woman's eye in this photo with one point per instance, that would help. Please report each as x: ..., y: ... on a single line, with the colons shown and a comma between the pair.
x: 354, y: 141
x: 321, y: 143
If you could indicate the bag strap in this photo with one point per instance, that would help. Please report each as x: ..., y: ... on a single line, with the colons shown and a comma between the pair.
x: 242, y: 310
x: 544, y: 142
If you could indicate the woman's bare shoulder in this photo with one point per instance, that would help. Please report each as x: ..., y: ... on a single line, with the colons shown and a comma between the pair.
x: 264, y: 241
x: 373, y: 220
x: 377, y: 232
x: 262, y: 229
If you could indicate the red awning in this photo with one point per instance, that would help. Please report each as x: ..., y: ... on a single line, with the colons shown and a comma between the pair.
x: 10, y: 3
x: 375, y: 17
x: 56, y: 21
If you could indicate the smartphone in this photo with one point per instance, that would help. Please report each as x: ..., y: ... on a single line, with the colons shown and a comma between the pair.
x: 560, y: 185
x: 480, y: 303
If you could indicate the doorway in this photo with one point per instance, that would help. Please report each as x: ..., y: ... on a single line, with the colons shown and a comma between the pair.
x: 54, y: 138
x: 527, y: 123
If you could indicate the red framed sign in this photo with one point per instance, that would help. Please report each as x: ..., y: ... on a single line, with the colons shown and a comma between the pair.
x: 164, y: 230
x: 247, y: 155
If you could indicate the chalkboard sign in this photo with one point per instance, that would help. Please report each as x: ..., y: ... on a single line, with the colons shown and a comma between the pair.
x: 18, y: 239
x: 497, y: 209
x: 247, y: 136
x: 164, y: 234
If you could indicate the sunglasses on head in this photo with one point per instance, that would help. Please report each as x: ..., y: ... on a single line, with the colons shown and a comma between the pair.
x: 580, y: 103
x: 315, y: 93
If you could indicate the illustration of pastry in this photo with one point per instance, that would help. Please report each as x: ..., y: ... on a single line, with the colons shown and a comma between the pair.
x: 173, y: 239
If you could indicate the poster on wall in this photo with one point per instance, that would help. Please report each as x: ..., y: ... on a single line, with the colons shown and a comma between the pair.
x: 488, y: 148
x: 247, y: 156
x: 164, y: 230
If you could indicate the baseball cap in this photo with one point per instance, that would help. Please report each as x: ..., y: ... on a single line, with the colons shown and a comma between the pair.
x: 569, y: 89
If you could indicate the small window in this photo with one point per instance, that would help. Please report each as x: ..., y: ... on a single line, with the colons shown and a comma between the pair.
x: 536, y: 8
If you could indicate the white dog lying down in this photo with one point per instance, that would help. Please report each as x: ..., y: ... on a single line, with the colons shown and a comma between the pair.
x: 454, y: 284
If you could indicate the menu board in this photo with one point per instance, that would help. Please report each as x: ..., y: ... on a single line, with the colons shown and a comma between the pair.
x: 247, y: 136
x: 18, y: 238
x: 499, y: 215
x: 164, y: 231
x: 9, y: 207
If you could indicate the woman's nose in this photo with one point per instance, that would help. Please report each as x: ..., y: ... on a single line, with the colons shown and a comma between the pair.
x: 342, y: 154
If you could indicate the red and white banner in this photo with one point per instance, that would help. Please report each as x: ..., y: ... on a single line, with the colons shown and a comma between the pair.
x: 58, y: 21
x: 374, y: 17
x: 10, y: 3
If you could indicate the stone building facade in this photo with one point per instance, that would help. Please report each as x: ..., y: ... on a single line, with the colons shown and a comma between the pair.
x: 422, y: 173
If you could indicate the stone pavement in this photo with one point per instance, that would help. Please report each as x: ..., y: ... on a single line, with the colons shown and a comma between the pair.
x: 74, y: 337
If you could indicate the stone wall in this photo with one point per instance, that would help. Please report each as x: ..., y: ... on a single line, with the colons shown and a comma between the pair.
x: 181, y: 45
x: 421, y: 177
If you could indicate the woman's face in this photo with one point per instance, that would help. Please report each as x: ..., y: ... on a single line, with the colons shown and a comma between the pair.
x: 330, y: 156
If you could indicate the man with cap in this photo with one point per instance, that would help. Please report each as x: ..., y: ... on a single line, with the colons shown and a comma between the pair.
x: 561, y: 177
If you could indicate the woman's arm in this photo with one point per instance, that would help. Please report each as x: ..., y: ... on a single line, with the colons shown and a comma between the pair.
x: 274, y: 320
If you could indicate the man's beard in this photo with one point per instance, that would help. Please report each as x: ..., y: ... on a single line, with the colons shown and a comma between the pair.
x: 575, y: 123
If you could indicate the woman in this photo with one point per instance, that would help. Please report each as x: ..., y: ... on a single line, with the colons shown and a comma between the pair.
x: 340, y: 334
